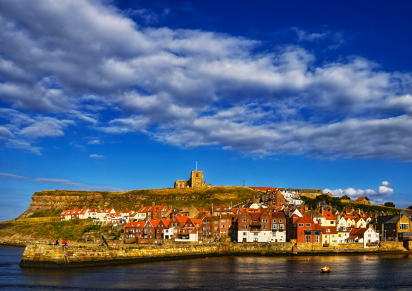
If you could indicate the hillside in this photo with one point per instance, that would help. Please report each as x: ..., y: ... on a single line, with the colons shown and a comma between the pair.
x: 336, y: 203
x: 51, y: 203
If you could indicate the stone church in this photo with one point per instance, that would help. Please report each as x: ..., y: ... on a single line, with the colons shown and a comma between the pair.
x: 195, y: 181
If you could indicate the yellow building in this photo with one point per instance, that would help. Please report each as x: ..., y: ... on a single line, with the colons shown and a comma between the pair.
x: 329, y: 236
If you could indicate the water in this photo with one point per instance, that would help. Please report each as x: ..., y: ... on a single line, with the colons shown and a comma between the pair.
x: 379, y: 272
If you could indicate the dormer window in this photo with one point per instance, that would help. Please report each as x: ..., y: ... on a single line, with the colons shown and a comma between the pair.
x: 328, y: 230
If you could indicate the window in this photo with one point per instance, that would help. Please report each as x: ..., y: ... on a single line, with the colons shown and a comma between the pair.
x: 274, y: 220
x: 300, y: 224
x: 280, y: 220
x: 218, y: 208
x: 244, y: 220
x: 307, y: 224
x: 222, y: 220
x: 264, y: 227
x: 328, y: 230
x: 223, y: 226
x: 308, y: 238
x: 333, y: 236
x: 244, y: 226
x: 317, y: 239
x: 281, y: 226
x: 369, y: 235
x: 255, y: 233
x: 264, y: 220
x: 404, y: 226
x: 326, y: 236
x: 274, y: 226
x: 245, y: 233
x: 254, y: 220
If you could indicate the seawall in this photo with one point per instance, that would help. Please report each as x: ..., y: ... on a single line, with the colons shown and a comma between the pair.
x: 47, y: 256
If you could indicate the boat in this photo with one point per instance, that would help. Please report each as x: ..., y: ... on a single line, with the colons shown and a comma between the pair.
x: 325, y: 270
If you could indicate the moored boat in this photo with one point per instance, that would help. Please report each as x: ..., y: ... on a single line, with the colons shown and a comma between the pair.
x: 325, y: 270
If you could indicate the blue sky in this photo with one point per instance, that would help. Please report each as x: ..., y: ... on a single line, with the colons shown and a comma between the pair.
x: 118, y: 95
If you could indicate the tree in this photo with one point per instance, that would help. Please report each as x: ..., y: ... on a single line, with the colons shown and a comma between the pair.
x: 410, y: 207
x: 345, y: 197
x: 389, y: 204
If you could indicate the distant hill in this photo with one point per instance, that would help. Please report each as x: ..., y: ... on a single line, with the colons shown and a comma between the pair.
x: 51, y: 203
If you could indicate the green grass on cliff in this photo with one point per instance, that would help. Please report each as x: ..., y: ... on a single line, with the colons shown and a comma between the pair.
x: 71, y: 230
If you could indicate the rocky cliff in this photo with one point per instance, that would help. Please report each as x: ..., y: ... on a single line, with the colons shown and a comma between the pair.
x: 51, y: 203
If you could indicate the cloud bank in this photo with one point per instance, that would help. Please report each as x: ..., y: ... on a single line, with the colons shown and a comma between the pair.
x: 75, y: 185
x: 191, y: 88
x: 378, y: 196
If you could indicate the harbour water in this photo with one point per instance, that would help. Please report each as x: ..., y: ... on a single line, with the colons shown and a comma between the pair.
x: 354, y: 272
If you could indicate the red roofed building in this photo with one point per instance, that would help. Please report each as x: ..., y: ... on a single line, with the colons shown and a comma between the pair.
x: 363, y: 200
x: 254, y: 226
x: 134, y: 229
x: 308, y: 231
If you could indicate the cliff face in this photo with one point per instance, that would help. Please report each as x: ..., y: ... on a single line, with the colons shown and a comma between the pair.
x: 52, y: 203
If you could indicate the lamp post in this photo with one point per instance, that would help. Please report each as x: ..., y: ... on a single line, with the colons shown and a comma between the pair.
x: 385, y: 234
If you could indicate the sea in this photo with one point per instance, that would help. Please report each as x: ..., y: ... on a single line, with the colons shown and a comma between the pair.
x: 348, y: 272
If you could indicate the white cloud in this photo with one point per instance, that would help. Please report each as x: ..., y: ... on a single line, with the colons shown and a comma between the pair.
x: 95, y: 156
x: 45, y: 127
x: 193, y: 88
x: 376, y: 196
x: 24, y: 145
x: 61, y: 181
x: 5, y: 133
x: 95, y: 141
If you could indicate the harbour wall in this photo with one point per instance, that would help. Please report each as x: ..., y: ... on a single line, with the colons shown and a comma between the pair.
x: 49, y: 256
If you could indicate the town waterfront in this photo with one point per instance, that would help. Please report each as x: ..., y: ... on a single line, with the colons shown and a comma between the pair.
x: 350, y: 272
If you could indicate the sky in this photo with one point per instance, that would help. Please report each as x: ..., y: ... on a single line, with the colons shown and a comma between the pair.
x: 120, y: 95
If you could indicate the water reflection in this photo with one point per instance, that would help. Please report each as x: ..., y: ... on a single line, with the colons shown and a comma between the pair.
x: 356, y: 272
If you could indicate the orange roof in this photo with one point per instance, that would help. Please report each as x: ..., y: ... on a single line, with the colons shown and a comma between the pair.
x: 182, y: 218
x: 328, y: 215
x: 153, y: 222
x: 304, y: 219
x: 199, y: 221
x: 264, y: 189
x: 166, y: 222
x: 135, y: 224
x: 332, y: 230
x: 362, y: 198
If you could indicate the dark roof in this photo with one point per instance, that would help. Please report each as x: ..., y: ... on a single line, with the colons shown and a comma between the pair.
x: 388, y: 219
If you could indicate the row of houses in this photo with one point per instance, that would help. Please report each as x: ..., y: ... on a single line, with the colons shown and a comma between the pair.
x: 259, y: 222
